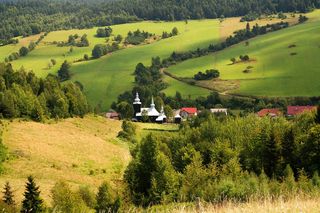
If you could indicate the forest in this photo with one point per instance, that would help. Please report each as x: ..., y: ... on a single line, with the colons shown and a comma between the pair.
x: 24, y: 17
x: 218, y: 158
x: 23, y: 95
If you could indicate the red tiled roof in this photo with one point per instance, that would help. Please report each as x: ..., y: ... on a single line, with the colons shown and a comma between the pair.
x: 189, y: 110
x: 272, y: 112
x: 296, y: 110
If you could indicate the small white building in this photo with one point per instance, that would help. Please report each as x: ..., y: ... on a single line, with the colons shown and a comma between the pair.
x: 219, y: 111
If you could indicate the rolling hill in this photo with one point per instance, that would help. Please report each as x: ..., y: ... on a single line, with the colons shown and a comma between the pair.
x: 79, y: 151
x: 284, y: 63
x: 105, y: 78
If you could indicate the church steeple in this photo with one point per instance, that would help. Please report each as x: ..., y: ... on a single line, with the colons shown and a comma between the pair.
x: 137, y: 105
x: 152, y: 105
x: 137, y: 99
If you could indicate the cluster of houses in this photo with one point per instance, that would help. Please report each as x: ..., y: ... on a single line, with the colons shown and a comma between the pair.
x: 292, y: 111
x: 153, y: 115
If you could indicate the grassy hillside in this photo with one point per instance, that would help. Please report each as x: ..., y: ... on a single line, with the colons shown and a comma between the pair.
x: 111, y: 75
x: 277, y: 69
x: 104, y: 79
x: 79, y: 151
x: 82, y: 152
x: 107, y: 77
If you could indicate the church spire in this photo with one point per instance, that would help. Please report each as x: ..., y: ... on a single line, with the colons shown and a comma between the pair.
x: 152, y: 103
x: 137, y: 99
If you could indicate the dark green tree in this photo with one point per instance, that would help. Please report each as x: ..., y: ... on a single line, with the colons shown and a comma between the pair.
x: 23, y: 51
x: 32, y: 202
x: 317, y: 119
x: 104, y: 199
x: 8, y: 197
x: 125, y: 110
x: 98, y: 51
x: 64, y: 71
x: 175, y: 31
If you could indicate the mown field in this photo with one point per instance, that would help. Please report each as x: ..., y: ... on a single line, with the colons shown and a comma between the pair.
x: 82, y: 152
x: 284, y: 63
x: 79, y: 151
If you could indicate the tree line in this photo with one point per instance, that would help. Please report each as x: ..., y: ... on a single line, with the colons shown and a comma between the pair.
x: 22, y: 94
x: 23, y: 18
x: 222, y: 158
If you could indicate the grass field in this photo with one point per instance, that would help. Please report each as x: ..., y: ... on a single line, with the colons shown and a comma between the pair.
x: 79, y: 151
x: 276, y: 70
x: 294, y: 205
x: 104, y: 79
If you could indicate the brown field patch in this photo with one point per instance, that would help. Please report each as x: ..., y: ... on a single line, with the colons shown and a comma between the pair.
x: 230, y: 25
x: 222, y: 86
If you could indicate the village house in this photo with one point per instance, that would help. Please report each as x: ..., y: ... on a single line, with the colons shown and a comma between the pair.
x: 151, y: 113
x: 188, y: 112
x: 269, y: 112
x: 297, y: 110
x: 219, y: 111
x: 113, y: 115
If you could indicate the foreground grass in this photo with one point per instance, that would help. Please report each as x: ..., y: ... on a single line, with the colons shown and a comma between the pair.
x: 294, y: 205
x: 79, y: 151
x: 277, y: 70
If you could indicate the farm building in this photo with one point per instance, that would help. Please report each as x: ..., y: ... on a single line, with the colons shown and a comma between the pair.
x: 269, y: 112
x: 151, y: 112
x: 297, y: 110
x: 219, y: 111
x: 113, y: 115
x: 188, y: 112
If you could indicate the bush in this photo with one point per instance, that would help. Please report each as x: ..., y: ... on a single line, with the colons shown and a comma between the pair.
x: 23, y: 51
x: 208, y: 75
x: 65, y: 200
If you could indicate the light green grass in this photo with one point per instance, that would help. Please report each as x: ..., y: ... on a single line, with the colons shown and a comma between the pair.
x: 275, y: 72
x: 104, y: 79
x: 186, y: 90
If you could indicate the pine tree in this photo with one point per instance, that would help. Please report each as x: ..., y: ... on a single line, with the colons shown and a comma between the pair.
x: 64, y: 71
x: 32, y: 202
x: 317, y: 120
x: 104, y: 199
x: 8, y: 195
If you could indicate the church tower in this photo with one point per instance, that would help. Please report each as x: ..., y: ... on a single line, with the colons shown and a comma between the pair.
x: 137, y: 105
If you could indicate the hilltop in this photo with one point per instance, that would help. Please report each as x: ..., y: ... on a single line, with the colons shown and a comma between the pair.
x: 284, y: 63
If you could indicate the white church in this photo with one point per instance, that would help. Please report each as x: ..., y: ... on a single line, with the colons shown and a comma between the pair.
x: 151, y: 112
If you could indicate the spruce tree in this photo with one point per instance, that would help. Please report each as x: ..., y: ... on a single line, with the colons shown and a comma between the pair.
x: 104, y: 199
x: 32, y: 202
x: 317, y: 120
x: 64, y: 71
x: 8, y: 195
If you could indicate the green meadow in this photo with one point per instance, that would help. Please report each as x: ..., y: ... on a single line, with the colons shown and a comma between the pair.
x: 105, y: 78
x: 284, y: 63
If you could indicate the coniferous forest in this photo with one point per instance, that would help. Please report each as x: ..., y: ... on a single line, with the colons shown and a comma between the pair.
x: 24, y: 17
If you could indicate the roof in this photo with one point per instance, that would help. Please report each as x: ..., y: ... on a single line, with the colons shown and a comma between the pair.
x: 296, y: 110
x: 269, y: 112
x: 161, y: 118
x: 149, y: 112
x: 112, y: 114
x: 219, y: 110
x: 189, y: 110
